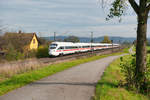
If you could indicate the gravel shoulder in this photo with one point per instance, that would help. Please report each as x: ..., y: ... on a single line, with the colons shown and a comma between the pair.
x: 77, y: 83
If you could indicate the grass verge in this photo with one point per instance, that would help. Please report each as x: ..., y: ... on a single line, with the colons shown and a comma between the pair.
x: 25, y: 78
x: 107, y: 88
x: 126, y: 50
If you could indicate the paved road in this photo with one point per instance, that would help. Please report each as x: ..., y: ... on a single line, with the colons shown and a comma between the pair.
x: 77, y: 83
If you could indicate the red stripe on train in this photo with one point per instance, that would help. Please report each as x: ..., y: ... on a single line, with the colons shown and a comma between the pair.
x: 77, y: 49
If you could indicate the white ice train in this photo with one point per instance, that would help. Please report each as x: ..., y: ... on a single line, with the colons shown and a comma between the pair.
x: 63, y: 48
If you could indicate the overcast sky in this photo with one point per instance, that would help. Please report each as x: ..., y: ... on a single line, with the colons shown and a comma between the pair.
x: 65, y: 17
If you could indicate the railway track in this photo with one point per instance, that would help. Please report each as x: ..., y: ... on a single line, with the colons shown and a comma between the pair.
x: 78, y: 55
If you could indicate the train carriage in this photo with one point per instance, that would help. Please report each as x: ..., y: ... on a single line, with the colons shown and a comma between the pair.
x: 63, y: 48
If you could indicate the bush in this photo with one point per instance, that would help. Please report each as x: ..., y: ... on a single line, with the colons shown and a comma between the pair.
x: 128, y: 67
x: 30, y: 53
x: 42, y: 52
x: 13, y: 54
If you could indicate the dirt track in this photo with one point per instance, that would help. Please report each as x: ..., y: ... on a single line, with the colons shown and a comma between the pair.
x: 77, y: 83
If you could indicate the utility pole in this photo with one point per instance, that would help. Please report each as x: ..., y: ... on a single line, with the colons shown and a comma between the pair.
x: 54, y: 36
x: 40, y: 34
x: 112, y: 45
x: 119, y: 45
x: 49, y: 36
x: 91, y: 41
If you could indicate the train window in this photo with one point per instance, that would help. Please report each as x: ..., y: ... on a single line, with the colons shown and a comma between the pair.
x: 60, y: 48
x: 67, y: 47
x: 86, y: 46
x: 52, y: 47
x: 74, y: 47
x: 71, y: 47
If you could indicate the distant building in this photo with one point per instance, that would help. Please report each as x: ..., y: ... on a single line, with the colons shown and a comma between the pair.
x: 34, y: 43
x: 20, y: 40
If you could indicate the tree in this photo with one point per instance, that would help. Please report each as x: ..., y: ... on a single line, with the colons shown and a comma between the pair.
x: 72, y: 39
x: 106, y: 40
x: 142, y: 10
x: 1, y: 28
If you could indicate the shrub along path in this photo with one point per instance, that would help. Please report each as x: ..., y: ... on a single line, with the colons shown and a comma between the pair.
x: 77, y: 83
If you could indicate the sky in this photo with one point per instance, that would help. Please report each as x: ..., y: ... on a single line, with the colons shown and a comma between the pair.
x: 65, y: 17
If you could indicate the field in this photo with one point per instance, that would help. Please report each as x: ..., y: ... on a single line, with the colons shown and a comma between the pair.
x: 22, y: 79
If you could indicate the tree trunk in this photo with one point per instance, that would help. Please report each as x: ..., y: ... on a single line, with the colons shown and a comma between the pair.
x: 141, y: 49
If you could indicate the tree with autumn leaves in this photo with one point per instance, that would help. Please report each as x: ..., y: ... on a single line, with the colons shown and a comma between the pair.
x: 106, y: 40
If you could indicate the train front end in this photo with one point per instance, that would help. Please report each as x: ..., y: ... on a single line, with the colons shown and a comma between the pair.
x: 53, y: 49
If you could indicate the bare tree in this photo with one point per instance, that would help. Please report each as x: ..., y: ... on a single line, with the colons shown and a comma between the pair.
x: 2, y: 27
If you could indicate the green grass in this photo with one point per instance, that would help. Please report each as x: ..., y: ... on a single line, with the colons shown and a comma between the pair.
x: 126, y: 50
x: 107, y: 88
x: 148, y: 49
x: 25, y: 78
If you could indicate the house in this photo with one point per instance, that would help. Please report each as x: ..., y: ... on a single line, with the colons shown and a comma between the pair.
x: 21, y: 40
x: 34, y: 43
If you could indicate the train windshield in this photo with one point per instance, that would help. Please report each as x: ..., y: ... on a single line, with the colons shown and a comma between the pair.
x: 53, y: 46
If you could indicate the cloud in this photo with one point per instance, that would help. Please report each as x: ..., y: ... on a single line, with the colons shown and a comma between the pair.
x: 78, y: 17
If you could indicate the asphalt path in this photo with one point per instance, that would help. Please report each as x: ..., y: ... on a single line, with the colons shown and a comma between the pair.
x: 77, y: 83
